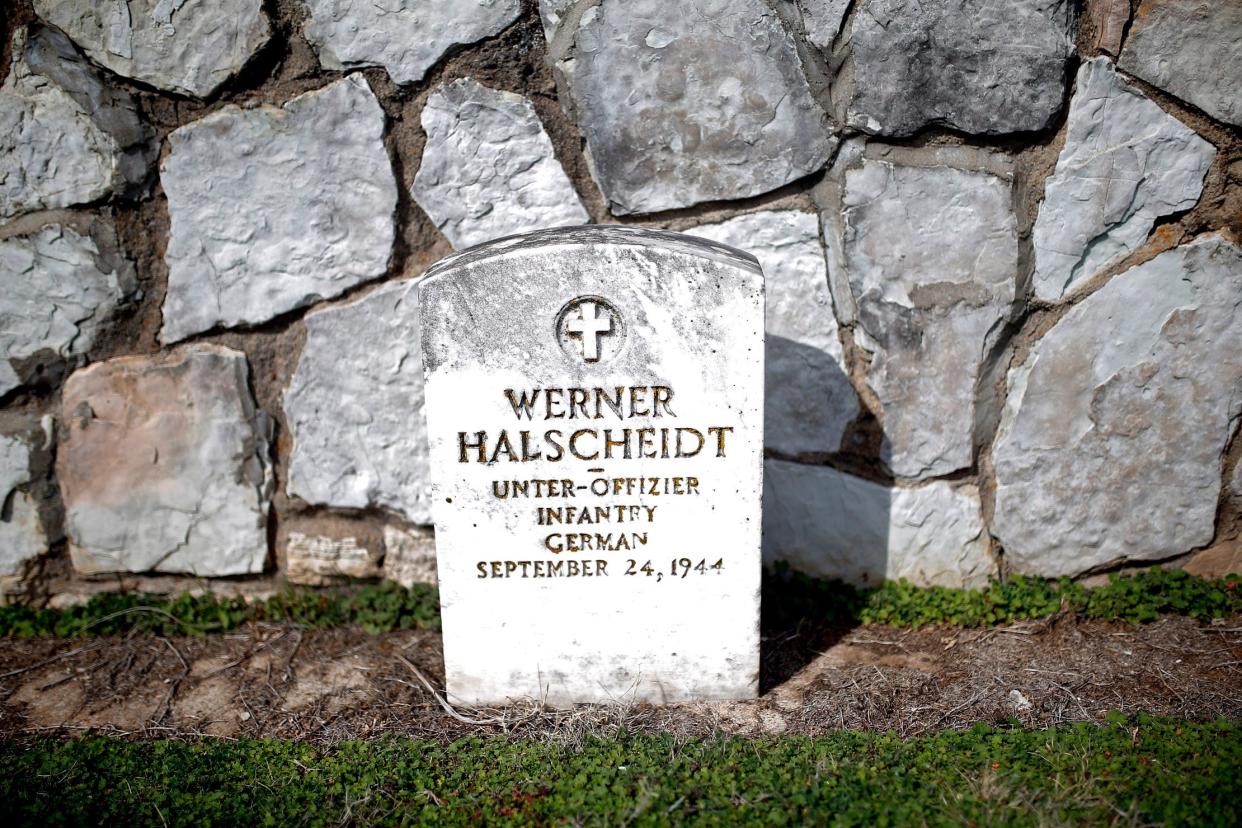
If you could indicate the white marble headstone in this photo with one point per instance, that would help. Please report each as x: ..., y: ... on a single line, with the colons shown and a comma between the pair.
x: 594, y: 402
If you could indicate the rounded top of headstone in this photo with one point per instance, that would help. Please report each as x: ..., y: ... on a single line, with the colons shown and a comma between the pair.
x: 595, y: 235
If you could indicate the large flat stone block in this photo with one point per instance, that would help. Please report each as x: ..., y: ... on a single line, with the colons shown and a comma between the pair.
x: 275, y: 208
x: 164, y: 465
x: 355, y: 407
x: 1112, y: 439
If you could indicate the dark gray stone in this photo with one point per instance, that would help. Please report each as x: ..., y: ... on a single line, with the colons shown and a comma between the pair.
x: 981, y: 66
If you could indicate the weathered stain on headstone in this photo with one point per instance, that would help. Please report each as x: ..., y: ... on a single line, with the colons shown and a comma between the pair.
x: 594, y: 407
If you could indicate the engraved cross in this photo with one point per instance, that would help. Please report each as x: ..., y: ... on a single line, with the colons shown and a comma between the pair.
x: 589, y: 327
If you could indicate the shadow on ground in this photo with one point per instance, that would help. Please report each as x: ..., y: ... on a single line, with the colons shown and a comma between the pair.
x: 800, y: 618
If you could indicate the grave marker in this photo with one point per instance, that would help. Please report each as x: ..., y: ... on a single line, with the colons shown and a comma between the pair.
x: 594, y: 401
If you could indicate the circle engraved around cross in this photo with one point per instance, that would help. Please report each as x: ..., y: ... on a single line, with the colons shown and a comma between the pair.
x: 590, y: 329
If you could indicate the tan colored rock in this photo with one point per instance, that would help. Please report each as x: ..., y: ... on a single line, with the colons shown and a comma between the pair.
x: 410, y: 556
x: 1109, y: 18
x: 1217, y: 562
x: 164, y: 465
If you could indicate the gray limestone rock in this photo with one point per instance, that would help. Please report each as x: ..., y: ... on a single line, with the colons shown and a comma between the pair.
x: 693, y: 101
x: 834, y: 525
x: 1191, y: 49
x: 67, y: 136
x: 273, y: 209
x: 809, y: 400
x: 355, y: 407
x: 57, y: 291
x: 488, y: 169
x: 551, y: 13
x: 1111, y: 443
x: 823, y: 19
x: 406, y: 37
x: 190, y: 47
x: 984, y: 66
x: 932, y: 256
x: 22, y: 539
x: 1125, y: 163
x: 164, y: 465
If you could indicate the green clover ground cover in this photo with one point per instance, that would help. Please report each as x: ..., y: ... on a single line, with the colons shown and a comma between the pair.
x: 789, y: 598
x: 1139, y: 771
x: 1137, y: 598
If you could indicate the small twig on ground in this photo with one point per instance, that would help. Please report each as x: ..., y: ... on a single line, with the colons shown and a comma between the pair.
x: 48, y: 661
x: 254, y: 652
x: 297, y: 645
x: 73, y: 673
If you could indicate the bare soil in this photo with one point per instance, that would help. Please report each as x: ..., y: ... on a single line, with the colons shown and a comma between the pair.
x: 286, y: 682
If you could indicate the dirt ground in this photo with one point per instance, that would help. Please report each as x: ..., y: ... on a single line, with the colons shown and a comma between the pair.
x: 283, y: 681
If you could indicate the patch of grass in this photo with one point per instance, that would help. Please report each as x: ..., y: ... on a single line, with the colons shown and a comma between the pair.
x: 377, y: 608
x: 1140, y: 771
x: 790, y: 596
x: 790, y: 599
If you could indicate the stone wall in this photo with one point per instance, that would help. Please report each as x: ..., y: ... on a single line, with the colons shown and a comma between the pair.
x: 1000, y: 239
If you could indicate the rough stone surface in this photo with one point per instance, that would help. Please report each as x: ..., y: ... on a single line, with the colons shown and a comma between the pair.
x: 823, y: 19
x: 488, y: 169
x: 22, y: 539
x: 808, y: 398
x: 57, y: 291
x: 410, y: 556
x: 988, y: 67
x: 1109, y: 19
x: 578, y: 313
x: 932, y: 256
x: 834, y: 525
x: 189, y: 47
x: 274, y: 208
x: 1217, y: 562
x: 1126, y: 162
x: 164, y: 465
x: 317, y: 560
x: 67, y: 136
x: 355, y: 407
x: 406, y: 37
x: 551, y: 13
x: 693, y: 101
x: 1191, y: 49
x: 1110, y: 447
